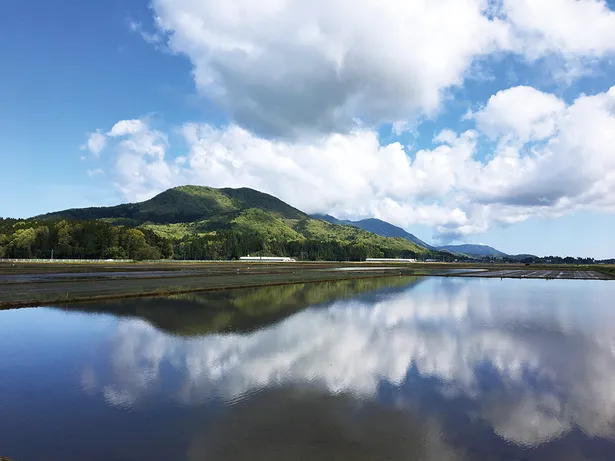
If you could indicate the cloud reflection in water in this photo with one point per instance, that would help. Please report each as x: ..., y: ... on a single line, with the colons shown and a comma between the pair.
x: 532, y: 359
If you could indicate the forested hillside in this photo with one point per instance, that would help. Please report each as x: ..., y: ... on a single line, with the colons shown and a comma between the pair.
x: 377, y: 226
x: 79, y: 240
x: 193, y: 222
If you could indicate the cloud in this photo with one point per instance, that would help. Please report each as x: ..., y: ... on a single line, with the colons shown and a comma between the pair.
x: 95, y: 172
x: 307, y: 86
x: 97, y: 141
x: 287, y: 67
x: 555, y: 369
x: 345, y: 174
x: 153, y: 38
x: 401, y: 126
x: 571, y: 167
x: 550, y: 159
x: 140, y: 164
x: 95, y: 144
x: 522, y: 112
x: 125, y: 127
x: 572, y: 29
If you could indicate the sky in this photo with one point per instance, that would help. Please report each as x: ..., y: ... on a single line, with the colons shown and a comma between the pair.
x: 462, y: 121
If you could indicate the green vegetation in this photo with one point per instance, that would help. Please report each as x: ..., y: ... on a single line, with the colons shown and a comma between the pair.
x: 185, y: 204
x: 264, y: 223
x: 609, y: 270
x: 193, y: 222
x: 377, y: 226
x: 79, y: 240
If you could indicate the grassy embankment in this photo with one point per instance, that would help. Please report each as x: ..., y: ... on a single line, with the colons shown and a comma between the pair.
x: 605, y: 269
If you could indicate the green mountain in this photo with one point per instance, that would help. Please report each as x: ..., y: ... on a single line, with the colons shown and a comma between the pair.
x: 204, y: 211
x: 377, y: 226
x: 479, y: 251
x: 185, y: 204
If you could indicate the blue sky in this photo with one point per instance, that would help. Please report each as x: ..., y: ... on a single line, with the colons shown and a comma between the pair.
x: 464, y: 121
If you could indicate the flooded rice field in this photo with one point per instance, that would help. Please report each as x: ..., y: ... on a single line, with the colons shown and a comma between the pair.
x: 62, y: 276
x: 542, y: 274
x: 399, y: 368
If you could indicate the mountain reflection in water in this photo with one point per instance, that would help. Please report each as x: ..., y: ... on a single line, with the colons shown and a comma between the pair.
x: 430, y: 369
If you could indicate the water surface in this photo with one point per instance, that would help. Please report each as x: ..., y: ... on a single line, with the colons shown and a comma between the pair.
x: 385, y: 369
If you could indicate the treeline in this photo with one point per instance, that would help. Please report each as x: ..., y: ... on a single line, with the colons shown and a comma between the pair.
x: 229, y: 244
x: 79, y: 240
x: 562, y: 260
x: 63, y: 239
x: 529, y: 259
x: 100, y: 240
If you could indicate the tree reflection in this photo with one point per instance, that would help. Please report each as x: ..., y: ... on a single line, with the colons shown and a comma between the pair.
x: 241, y: 309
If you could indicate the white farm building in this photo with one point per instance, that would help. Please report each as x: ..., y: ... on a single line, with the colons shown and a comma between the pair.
x: 389, y: 260
x: 268, y: 259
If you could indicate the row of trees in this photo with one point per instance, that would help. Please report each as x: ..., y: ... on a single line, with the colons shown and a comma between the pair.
x: 530, y: 259
x: 233, y: 244
x: 79, y: 240
x: 100, y: 240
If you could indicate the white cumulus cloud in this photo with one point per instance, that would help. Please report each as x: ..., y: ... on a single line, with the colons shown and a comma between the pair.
x: 522, y: 112
x: 284, y: 67
x: 570, y: 28
x: 551, y: 158
x: 572, y: 167
x: 307, y: 86
x: 125, y: 127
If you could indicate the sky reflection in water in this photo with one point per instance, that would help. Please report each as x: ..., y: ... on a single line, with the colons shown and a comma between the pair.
x: 428, y: 369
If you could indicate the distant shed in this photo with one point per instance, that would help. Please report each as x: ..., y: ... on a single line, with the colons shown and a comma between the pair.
x: 389, y: 260
x: 268, y: 259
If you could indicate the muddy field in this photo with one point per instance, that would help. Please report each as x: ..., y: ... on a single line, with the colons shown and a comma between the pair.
x: 541, y: 274
x: 33, y: 284
x: 33, y: 289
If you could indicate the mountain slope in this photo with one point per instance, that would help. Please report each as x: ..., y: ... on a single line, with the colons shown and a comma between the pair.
x: 190, y: 210
x: 185, y: 204
x: 331, y: 219
x: 473, y: 250
x: 377, y: 226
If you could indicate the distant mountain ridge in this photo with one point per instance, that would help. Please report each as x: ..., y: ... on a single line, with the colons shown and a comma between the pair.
x: 473, y: 250
x: 385, y: 229
x: 377, y: 226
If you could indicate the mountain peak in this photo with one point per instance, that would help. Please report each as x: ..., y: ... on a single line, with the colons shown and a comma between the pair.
x: 184, y: 204
x: 473, y: 250
x: 377, y: 226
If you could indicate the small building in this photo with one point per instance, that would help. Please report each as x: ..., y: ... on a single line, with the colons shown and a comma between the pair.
x: 268, y: 259
x: 389, y: 260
